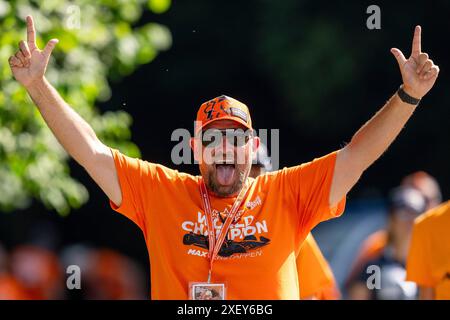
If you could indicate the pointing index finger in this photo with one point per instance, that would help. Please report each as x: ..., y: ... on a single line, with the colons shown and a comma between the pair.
x: 31, y: 33
x: 417, y: 42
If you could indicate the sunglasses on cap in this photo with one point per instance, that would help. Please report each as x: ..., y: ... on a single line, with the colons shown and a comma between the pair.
x: 212, y: 138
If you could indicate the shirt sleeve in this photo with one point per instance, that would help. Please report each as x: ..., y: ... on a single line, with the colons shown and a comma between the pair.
x: 140, y: 181
x: 418, y: 262
x: 314, y: 272
x: 310, y: 185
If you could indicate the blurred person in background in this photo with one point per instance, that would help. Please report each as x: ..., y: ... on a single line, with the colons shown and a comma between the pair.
x: 315, y: 277
x: 426, y: 184
x: 261, y: 163
x: 373, y: 246
x: 38, y: 271
x: 10, y: 288
x: 114, y: 276
x: 428, y: 263
x: 78, y: 255
x: 34, y: 270
x: 105, y: 274
x: 405, y: 204
x: 3, y: 259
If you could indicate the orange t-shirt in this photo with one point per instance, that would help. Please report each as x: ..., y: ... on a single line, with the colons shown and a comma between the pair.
x: 371, y: 249
x: 277, y: 214
x: 315, y: 276
x: 428, y: 261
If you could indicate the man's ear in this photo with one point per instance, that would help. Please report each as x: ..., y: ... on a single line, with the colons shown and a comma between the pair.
x: 255, y: 144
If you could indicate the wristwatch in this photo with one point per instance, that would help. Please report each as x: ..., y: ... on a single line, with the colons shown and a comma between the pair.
x: 406, y: 97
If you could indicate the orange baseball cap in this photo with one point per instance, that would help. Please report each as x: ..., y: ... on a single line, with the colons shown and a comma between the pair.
x: 223, y: 108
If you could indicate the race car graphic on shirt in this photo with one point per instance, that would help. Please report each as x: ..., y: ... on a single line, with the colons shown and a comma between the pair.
x: 229, y: 247
x: 244, y: 235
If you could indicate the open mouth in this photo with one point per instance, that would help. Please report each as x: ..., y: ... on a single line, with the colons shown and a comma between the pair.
x: 225, y: 172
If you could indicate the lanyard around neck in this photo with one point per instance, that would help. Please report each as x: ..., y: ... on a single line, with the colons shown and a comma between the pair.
x: 216, y: 243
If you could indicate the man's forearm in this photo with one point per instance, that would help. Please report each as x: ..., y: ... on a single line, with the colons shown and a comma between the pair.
x: 72, y: 131
x: 374, y: 137
x: 419, y: 74
x: 28, y: 66
x: 367, y: 145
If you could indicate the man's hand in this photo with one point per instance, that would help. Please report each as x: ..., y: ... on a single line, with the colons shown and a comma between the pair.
x: 72, y: 131
x: 419, y: 73
x: 29, y: 63
x: 373, y: 138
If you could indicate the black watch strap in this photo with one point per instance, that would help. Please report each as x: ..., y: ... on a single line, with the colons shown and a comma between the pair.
x: 406, y: 97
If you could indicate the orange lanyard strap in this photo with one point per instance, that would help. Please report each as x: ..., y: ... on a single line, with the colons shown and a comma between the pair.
x: 215, y: 243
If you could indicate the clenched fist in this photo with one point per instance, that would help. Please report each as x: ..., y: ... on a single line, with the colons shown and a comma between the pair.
x: 29, y: 63
x: 419, y: 73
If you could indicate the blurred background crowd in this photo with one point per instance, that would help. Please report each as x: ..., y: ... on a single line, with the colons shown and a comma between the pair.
x: 33, y: 272
x: 137, y: 70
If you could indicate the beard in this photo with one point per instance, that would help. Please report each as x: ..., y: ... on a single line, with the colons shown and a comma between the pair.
x: 239, y: 175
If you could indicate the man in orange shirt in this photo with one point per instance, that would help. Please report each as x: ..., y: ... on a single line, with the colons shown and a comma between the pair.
x: 222, y: 229
x: 315, y: 277
x: 428, y: 261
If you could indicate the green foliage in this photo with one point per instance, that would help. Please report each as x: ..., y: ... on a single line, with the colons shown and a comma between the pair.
x: 98, y: 40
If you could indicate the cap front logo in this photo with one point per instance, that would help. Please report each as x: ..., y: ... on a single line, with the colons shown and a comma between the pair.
x: 239, y: 113
x: 210, y: 108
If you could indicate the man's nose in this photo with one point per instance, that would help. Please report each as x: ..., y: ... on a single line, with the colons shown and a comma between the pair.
x: 225, y: 145
x: 225, y: 148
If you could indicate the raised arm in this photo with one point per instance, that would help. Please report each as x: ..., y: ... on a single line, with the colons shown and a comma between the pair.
x: 28, y: 66
x: 419, y: 75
